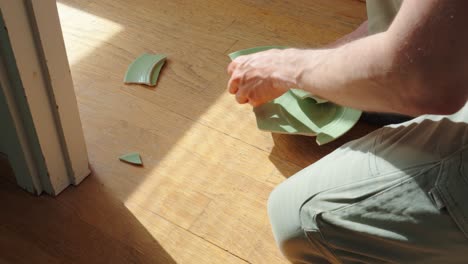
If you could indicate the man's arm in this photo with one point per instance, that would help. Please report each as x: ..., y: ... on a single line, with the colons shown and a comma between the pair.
x: 416, y: 67
x: 360, y: 32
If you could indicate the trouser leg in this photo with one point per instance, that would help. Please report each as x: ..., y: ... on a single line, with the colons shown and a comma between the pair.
x: 396, y: 195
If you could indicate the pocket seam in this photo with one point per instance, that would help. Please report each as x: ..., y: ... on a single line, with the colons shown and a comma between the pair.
x: 457, y: 213
x: 406, y: 180
x: 322, y: 237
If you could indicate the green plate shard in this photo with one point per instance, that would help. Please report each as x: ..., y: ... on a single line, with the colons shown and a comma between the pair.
x: 132, y: 158
x: 253, y: 50
x: 300, y: 113
x: 303, y: 95
x: 145, y: 69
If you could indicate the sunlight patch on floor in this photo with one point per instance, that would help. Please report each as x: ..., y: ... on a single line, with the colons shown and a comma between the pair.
x: 202, y: 146
x: 94, y: 31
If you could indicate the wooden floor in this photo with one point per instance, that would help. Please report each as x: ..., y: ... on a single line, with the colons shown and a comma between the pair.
x: 201, y: 196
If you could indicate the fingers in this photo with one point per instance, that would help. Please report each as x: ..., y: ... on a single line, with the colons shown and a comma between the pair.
x: 254, y: 104
x: 231, y: 67
x: 234, y: 64
x: 241, y: 99
x: 233, y: 84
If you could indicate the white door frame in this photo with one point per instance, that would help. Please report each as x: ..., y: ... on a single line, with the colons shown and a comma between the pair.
x: 40, y: 126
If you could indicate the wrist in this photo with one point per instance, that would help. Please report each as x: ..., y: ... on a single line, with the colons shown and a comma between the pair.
x: 307, y: 67
x: 290, y: 66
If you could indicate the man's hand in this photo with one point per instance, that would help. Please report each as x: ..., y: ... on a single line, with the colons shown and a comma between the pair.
x: 264, y: 76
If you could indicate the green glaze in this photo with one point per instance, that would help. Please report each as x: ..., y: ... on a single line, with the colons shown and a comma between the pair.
x: 132, y: 158
x: 303, y: 95
x: 145, y: 69
x: 236, y: 54
x: 300, y: 113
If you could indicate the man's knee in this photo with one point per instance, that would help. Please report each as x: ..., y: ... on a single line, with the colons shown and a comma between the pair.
x: 284, y: 222
x: 275, y: 208
x: 290, y: 237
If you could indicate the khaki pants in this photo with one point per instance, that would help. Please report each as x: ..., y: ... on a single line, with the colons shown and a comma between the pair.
x: 397, y: 195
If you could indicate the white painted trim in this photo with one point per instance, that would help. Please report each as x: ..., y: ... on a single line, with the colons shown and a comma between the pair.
x: 39, y: 52
x: 57, y: 71
x: 14, y: 137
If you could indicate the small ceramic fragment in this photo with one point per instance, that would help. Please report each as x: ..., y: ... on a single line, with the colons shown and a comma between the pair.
x: 132, y: 158
x: 145, y: 69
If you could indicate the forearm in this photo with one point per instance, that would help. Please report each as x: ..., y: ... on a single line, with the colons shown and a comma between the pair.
x: 358, y: 74
x: 417, y: 67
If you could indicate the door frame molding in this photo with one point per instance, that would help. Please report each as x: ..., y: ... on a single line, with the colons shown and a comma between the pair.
x: 46, y: 145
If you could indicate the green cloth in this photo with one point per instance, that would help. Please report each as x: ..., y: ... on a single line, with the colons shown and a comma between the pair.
x: 300, y: 113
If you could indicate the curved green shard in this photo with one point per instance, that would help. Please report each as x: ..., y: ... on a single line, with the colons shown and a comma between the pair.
x: 303, y: 95
x: 145, y: 69
x: 132, y: 158
x: 300, y: 113
x: 243, y: 52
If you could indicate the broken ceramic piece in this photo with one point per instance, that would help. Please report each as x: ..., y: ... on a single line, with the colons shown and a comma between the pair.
x: 303, y: 95
x: 243, y: 52
x: 300, y: 113
x: 145, y: 69
x: 289, y: 114
x: 132, y: 158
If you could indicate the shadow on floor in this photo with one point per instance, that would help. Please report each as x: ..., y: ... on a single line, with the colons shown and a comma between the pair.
x: 82, y: 225
x: 304, y: 151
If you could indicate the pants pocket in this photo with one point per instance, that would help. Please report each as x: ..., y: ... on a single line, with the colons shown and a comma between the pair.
x: 393, y: 224
x: 330, y: 216
x: 451, y: 190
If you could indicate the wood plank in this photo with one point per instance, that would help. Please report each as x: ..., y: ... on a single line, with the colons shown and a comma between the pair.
x: 61, y: 236
x: 201, y: 196
x: 198, y: 78
x: 87, y: 225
